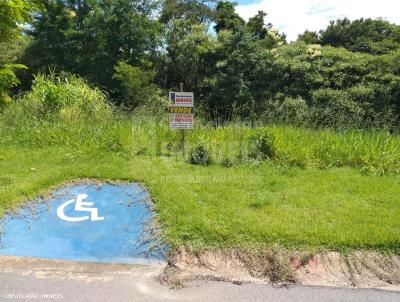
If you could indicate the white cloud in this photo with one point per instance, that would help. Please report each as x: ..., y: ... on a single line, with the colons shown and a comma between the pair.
x: 295, y: 16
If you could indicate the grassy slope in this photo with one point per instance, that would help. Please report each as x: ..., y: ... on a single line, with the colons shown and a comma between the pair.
x: 375, y: 152
x: 226, y: 207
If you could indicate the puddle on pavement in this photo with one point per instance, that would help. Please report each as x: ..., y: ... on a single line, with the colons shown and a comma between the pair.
x: 84, y: 222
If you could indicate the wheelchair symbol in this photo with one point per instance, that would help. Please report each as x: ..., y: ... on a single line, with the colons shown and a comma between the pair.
x: 80, y: 206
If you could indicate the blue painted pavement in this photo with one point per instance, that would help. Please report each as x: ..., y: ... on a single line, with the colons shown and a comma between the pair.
x: 81, y: 222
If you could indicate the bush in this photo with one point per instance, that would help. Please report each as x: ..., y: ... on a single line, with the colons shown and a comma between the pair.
x: 199, y: 155
x: 335, y: 108
x: 287, y: 110
x: 59, y: 98
x: 8, y: 79
x: 137, y: 85
x: 339, y: 88
x: 261, y: 146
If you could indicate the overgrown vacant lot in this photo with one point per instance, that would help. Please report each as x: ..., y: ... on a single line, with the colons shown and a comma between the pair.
x: 299, y: 187
x: 247, y: 205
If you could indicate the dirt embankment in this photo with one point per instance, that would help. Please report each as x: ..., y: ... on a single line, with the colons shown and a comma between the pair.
x: 356, y: 269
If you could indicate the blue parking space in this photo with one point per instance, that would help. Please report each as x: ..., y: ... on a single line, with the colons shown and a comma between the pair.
x: 82, y: 222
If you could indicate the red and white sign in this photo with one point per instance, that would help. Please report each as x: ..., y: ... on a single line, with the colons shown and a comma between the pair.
x: 182, y: 98
x: 181, y: 117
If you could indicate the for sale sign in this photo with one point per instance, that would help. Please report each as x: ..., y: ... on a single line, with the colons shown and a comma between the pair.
x: 181, y: 110
x: 182, y: 98
x: 181, y: 117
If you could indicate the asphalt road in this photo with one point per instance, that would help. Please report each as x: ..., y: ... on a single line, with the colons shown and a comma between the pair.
x: 71, y: 282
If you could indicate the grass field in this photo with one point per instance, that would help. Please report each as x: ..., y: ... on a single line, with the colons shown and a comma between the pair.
x: 276, y: 184
x: 373, y: 152
x: 251, y: 204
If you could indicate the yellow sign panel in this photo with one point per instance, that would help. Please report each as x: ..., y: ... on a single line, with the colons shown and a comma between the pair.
x: 179, y: 109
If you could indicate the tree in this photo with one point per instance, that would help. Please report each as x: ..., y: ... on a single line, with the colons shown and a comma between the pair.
x: 308, y: 37
x: 226, y: 18
x: 137, y: 84
x: 366, y: 35
x: 271, y: 38
x: 190, y: 55
x: 239, y: 82
x: 89, y: 37
x: 257, y: 25
x: 195, y: 11
x: 13, y: 14
x: 340, y: 87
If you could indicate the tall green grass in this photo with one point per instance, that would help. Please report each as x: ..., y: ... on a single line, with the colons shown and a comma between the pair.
x: 66, y: 111
x: 59, y: 98
x: 372, y: 151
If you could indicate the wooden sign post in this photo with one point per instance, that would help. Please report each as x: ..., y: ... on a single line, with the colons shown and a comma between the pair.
x: 181, y: 113
x: 182, y: 130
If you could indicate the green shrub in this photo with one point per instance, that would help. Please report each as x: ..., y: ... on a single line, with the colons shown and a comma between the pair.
x: 199, y: 155
x: 230, y: 162
x: 261, y: 146
x: 137, y: 85
x: 8, y: 79
x: 341, y: 89
x: 58, y: 98
x: 287, y: 110
x: 335, y: 108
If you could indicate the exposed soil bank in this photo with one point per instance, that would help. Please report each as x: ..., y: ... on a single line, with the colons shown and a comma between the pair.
x: 357, y: 269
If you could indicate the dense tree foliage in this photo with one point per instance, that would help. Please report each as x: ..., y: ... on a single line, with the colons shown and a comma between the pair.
x: 257, y: 25
x: 309, y: 37
x: 136, y: 84
x: 337, y: 87
x: 226, y: 18
x: 236, y: 85
x: 89, y: 37
x: 196, y: 11
x: 347, y: 75
x: 13, y: 14
x: 366, y: 35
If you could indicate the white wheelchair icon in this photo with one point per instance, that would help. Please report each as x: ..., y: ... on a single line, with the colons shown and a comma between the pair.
x: 80, y: 206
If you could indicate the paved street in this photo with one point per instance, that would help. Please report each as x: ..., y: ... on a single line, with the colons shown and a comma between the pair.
x: 69, y: 281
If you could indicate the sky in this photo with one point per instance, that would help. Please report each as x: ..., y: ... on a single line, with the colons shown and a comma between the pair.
x: 295, y: 16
